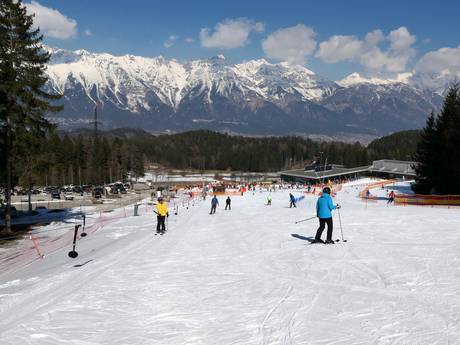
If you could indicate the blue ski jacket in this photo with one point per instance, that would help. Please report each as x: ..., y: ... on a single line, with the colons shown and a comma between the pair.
x: 214, y: 201
x: 324, y: 206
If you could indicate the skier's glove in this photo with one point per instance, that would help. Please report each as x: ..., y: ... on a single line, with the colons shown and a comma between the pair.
x: 339, y: 207
x: 167, y: 214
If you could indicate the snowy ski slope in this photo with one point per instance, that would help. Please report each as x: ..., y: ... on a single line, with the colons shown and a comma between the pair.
x: 247, y: 276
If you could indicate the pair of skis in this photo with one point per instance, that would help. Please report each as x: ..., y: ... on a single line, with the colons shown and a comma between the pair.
x: 340, y: 222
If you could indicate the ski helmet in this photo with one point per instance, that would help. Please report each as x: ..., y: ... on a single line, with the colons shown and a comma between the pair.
x: 327, y: 190
x: 160, y: 199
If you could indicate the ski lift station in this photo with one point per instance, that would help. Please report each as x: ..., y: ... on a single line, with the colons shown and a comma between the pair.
x: 315, y: 173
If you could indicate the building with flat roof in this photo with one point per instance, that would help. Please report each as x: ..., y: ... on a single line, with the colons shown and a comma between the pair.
x: 319, y: 173
x: 393, y: 168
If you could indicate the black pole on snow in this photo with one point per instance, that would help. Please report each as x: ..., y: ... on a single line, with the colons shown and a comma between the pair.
x: 83, y: 233
x: 73, y: 254
x: 304, y: 220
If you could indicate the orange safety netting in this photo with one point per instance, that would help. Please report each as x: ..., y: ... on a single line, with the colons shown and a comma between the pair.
x: 38, y: 245
x: 427, y: 200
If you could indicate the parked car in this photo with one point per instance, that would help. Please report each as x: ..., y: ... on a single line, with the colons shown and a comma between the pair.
x: 98, y: 192
x: 119, y: 187
x: 68, y: 196
x: 56, y: 194
x: 122, y: 190
x: 87, y: 188
x: 78, y: 189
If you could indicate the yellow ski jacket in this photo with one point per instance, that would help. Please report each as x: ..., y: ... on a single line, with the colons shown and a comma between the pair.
x: 162, y: 209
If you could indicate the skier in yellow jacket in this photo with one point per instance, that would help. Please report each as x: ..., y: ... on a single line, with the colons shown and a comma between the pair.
x: 162, y: 213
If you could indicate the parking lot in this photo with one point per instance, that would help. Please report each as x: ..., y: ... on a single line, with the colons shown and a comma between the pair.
x: 105, y: 203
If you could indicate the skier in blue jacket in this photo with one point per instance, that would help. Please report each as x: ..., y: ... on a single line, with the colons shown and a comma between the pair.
x: 292, y: 200
x: 324, y: 206
x: 214, y: 203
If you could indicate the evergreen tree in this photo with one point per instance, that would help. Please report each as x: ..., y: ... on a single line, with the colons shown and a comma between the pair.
x: 426, y: 158
x: 23, y: 103
x: 448, y: 129
x: 438, y: 157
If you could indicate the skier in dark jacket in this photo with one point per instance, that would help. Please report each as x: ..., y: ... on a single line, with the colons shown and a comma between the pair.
x: 214, y: 203
x: 292, y: 200
x: 228, y: 203
x: 324, y: 206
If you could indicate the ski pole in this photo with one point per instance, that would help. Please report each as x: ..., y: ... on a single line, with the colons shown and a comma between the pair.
x: 303, y: 220
x: 340, y: 222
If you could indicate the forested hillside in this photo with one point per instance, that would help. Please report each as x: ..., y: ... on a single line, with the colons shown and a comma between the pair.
x: 72, y: 157
x: 400, y: 145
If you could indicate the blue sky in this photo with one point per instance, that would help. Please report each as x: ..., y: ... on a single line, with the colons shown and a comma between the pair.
x: 328, y: 37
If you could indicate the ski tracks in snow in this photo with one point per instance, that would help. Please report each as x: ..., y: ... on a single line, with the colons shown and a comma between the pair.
x: 269, y: 314
x: 51, y: 290
x: 239, y: 277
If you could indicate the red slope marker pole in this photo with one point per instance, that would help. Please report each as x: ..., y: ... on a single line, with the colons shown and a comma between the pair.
x: 34, y: 241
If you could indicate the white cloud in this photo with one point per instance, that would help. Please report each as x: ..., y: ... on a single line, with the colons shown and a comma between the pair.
x: 170, y: 41
x: 189, y: 40
x: 438, y: 69
x: 373, y: 38
x: 339, y: 48
x: 51, y: 22
x: 401, y: 39
x: 293, y: 44
x: 368, y: 52
x: 231, y: 33
x: 88, y: 33
x: 444, y: 61
x: 378, y: 61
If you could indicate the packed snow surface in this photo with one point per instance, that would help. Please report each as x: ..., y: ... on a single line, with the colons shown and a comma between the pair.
x: 247, y: 276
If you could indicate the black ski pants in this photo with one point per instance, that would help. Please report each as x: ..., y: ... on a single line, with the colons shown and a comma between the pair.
x: 322, y: 224
x: 228, y: 205
x: 292, y: 204
x: 213, y: 209
x: 161, y: 224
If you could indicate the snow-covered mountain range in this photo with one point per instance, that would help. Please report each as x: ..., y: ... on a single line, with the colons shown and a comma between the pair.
x: 255, y: 97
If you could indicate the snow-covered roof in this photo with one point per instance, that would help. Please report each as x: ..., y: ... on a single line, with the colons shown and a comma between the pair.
x: 334, y: 172
x: 388, y: 166
x: 392, y: 166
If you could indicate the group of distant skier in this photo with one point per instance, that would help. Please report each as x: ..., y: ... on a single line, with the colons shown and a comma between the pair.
x: 215, y: 203
x: 162, y: 212
x: 324, y: 208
